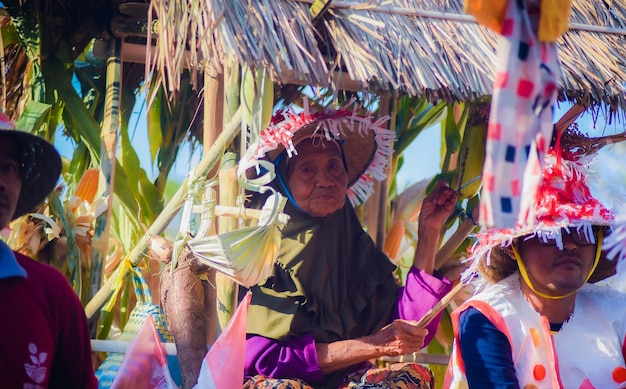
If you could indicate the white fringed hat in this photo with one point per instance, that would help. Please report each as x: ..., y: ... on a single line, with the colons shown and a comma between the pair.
x: 563, y: 200
x: 366, y: 144
x: 615, y: 244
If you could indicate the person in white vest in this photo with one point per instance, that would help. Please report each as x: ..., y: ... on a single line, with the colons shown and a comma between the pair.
x: 537, y: 319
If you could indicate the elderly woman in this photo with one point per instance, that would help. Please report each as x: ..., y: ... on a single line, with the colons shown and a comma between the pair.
x: 540, y: 322
x: 332, y: 302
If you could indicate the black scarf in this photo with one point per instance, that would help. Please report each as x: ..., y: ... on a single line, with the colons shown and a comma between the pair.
x: 329, y: 280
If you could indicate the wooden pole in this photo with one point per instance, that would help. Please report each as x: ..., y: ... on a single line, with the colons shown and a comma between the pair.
x: 213, y: 123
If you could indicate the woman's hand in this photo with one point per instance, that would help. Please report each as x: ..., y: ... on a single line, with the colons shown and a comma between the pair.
x: 437, y: 207
x: 400, y: 337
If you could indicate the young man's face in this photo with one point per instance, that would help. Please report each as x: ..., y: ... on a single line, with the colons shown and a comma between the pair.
x: 10, y: 180
x: 557, y: 272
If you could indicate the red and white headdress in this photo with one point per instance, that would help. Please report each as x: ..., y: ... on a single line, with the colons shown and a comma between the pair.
x: 367, y: 145
x: 563, y: 200
x: 615, y: 244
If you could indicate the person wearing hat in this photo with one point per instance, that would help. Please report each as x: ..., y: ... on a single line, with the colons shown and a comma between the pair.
x: 540, y: 321
x: 332, y: 303
x: 45, y: 335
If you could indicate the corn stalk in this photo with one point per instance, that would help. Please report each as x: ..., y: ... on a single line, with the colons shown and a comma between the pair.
x: 226, y: 288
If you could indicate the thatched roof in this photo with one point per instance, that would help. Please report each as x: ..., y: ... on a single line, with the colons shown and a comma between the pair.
x: 419, y: 47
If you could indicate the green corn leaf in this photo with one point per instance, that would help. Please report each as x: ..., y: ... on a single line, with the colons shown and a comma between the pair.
x: 451, y: 133
x: 232, y: 88
x: 125, y: 300
x: 35, y: 118
x: 413, y: 117
x: 257, y: 100
x: 154, y: 123
x: 445, y: 176
x: 58, y: 77
x: 9, y: 35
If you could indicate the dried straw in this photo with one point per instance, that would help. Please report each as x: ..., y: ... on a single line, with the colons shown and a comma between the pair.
x: 420, y: 47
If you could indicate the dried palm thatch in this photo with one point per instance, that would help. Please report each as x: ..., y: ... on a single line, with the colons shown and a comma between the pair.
x: 419, y: 47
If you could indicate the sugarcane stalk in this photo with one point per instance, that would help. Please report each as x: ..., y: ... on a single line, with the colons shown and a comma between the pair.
x: 440, y: 306
x: 455, y: 240
x: 213, y: 128
x: 208, y: 161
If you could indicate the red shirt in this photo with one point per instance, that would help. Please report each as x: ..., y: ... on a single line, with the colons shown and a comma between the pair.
x: 44, y: 331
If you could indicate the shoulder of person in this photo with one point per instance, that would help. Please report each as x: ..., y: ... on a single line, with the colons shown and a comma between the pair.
x: 505, y: 287
x: 603, y: 292
x: 41, y: 272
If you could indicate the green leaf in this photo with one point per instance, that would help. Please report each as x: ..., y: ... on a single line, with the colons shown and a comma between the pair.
x: 445, y: 176
x: 26, y: 25
x: 129, y: 160
x: 451, y: 133
x: 127, y: 291
x: 151, y: 198
x: 257, y: 99
x: 34, y: 118
x: 413, y: 117
x: 435, y: 347
x: 155, y: 130
x: 60, y: 79
x: 9, y: 35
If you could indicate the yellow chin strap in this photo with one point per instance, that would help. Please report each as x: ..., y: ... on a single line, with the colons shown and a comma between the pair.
x: 524, y: 273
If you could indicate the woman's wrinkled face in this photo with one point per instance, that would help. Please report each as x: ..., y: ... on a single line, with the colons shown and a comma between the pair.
x: 554, y: 271
x: 317, y: 177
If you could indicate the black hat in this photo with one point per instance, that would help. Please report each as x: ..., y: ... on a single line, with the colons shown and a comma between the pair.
x: 40, y: 166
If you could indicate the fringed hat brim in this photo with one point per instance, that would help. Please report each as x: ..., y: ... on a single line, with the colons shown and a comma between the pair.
x: 367, y: 146
x: 495, y: 266
x: 40, y: 169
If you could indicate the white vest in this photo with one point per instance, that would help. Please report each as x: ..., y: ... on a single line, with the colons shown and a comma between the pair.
x: 588, y: 352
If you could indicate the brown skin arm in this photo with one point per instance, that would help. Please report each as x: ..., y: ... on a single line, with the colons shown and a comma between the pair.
x: 400, y: 337
x: 436, y: 208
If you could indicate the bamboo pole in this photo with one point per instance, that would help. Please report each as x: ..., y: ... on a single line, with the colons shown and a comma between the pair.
x: 213, y: 126
x: 108, y: 158
x: 441, y: 304
x: 208, y: 161
x: 121, y: 346
x: 453, y: 242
